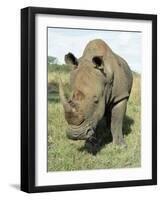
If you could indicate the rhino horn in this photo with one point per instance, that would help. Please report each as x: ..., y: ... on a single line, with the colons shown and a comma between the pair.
x: 63, y: 99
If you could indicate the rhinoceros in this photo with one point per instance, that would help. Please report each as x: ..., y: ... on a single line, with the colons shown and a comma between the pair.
x: 101, y: 83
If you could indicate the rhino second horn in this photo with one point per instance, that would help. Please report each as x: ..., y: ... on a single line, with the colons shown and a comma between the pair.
x: 63, y: 99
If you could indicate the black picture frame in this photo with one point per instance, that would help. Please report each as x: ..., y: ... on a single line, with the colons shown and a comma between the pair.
x: 28, y: 98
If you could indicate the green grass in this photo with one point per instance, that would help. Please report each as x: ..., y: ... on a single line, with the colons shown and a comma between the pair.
x: 64, y: 154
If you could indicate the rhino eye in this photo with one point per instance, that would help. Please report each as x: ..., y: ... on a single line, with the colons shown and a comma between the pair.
x: 95, y: 99
x: 75, y: 67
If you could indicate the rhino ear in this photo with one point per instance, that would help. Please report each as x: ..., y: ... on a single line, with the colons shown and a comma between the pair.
x: 98, y: 61
x: 70, y: 59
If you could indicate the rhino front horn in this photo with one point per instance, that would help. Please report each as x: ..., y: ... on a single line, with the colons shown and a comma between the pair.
x: 63, y: 99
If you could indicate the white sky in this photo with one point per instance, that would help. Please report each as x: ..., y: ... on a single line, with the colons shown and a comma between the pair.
x: 127, y: 44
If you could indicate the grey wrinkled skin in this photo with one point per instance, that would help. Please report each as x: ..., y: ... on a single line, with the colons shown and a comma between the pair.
x: 101, y: 83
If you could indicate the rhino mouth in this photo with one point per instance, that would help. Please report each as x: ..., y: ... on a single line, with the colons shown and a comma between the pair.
x: 79, y: 132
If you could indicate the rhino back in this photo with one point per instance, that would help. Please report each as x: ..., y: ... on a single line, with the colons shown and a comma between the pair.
x: 123, y: 79
x: 96, y: 47
x: 113, y: 64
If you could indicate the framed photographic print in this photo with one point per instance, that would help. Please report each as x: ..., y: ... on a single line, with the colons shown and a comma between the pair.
x: 88, y: 99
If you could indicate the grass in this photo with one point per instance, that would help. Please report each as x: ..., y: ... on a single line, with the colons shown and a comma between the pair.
x: 64, y: 154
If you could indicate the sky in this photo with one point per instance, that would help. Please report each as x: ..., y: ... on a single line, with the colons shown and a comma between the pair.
x: 126, y: 44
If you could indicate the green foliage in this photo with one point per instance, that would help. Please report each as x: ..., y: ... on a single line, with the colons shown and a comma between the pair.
x: 53, y: 66
x: 64, y: 154
x: 58, y: 68
x: 52, y: 60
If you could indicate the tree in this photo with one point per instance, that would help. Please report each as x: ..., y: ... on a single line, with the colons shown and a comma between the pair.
x: 52, y: 60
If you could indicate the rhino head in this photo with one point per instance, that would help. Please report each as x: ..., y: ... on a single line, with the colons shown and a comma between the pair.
x: 90, y: 84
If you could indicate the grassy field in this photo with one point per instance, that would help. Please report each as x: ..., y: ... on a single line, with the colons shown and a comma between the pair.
x: 64, y: 154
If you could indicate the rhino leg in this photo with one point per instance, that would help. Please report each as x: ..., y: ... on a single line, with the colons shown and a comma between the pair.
x: 92, y: 145
x: 117, y: 116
